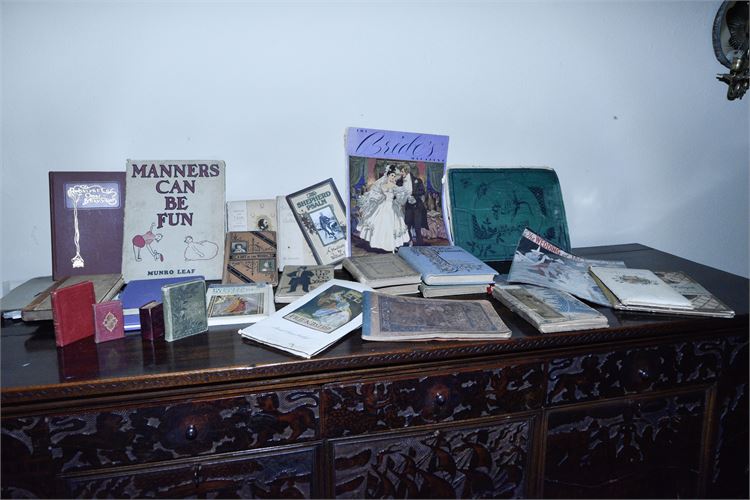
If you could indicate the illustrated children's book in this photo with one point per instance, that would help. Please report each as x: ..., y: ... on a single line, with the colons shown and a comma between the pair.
x: 291, y: 247
x: 86, y: 217
x: 174, y: 219
x: 296, y: 281
x: 250, y: 257
x: 251, y: 215
x: 447, y: 265
x: 238, y: 304
x: 395, y: 191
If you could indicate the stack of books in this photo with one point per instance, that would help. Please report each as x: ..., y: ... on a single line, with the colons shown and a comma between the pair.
x: 387, y: 273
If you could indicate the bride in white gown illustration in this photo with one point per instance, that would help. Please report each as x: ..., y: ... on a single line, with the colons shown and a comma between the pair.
x: 381, y: 221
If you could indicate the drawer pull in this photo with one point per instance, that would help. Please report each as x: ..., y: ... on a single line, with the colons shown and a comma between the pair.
x: 643, y: 373
x: 440, y: 399
x: 191, y: 432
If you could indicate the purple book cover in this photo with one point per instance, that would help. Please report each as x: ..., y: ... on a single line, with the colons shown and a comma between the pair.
x: 86, y: 219
x: 108, y: 321
x: 396, y: 190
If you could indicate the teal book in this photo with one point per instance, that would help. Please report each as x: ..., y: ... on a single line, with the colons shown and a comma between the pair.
x: 184, y: 309
x: 489, y: 208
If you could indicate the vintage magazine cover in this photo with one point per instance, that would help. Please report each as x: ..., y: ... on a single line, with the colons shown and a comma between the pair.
x: 393, y: 318
x: 250, y: 257
x: 539, y: 262
x: 174, y: 219
x: 296, y: 281
x: 314, y: 322
x: 238, y: 304
x: 251, y: 215
x: 638, y: 287
x: 395, y: 190
x: 704, y: 302
x: 321, y: 215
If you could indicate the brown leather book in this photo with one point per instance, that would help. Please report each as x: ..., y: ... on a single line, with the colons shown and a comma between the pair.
x: 152, y: 320
x: 72, y: 312
x: 108, y: 321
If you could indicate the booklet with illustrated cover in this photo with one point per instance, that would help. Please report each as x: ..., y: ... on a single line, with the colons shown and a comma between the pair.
x: 238, y: 304
x: 639, y: 287
x: 174, y: 219
x: 447, y: 265
x: 250, y: 257
x: 296, y: 281
x: 291, y: 247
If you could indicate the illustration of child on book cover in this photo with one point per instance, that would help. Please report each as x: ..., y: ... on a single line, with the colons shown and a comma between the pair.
x: 330, y: 310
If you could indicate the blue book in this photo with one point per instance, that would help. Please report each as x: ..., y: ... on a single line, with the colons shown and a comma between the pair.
x: 447, y: 265
x: 139, y: 292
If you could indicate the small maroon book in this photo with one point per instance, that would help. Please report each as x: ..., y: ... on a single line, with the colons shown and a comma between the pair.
x: 152, y: 320
x: 108, y: 321
x: 72, y: 312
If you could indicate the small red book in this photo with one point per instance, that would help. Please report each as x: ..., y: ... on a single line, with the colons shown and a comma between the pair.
x: 109, y: 323
x: 72, y: 312
x: 152, y: 320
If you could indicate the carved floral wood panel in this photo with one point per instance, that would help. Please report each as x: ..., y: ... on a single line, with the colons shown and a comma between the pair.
x: 24, y: 458
x: 485, y: 462
x: 366, y: 407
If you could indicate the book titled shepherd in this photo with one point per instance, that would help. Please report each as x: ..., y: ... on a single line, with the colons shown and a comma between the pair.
x: 443, y: 265
x: 73, y: 312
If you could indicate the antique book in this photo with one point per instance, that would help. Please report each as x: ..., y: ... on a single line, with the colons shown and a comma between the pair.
x: 314, y: 322
x: 539, y: 262
x: 72, y: 312
x: 106, y: 287
x: 390, y: 318
x: 489, y: 208
x: 251, y: 215
x: 238, y: 304
x: 174, y: 219
x: 108, y: 321
x: 549, y: 310
x: 86, y: 218
x: 444, y: 265
x: 19, y: 297
x: 321, y: 215
x: 184, y: 309
x: 151, y: 317
x: 296, y: 281
x: 382, y: 270
x: 450, y: 290
x: 638, y: 288
x: 407, y: 289
x: 140, y: 292
x: 395, y: 190
x: 291, y: 247
x: 250, y: 257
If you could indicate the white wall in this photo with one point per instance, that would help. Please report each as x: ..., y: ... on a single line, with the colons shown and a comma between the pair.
x: 619, y: 97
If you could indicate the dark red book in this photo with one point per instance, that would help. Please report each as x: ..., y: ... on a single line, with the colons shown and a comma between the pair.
x: 72, y: 312
x: 86, y: 218
x: 152, y: 320
x: 109, y: 323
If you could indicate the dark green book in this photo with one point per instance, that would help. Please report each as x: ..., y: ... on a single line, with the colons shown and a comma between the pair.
x: 184, y: 309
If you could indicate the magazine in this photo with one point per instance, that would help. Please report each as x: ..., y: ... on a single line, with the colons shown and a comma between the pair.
x: 395, y: 191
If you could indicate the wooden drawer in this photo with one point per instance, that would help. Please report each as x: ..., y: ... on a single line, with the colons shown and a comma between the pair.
x: 185, y: 429
x: 364, y: 407
x: 605, y: 374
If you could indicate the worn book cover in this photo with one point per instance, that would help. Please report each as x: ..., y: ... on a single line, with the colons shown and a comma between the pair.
x: 704, y: 302
x: 238, y: 304
x: 108, y: 321
x: 174, y: 219
x: 72, y: 312
x: 184, y: 309
x: 450, y: 290
x: 381, y: 270
x: 489, y: 208
x: 639, y: 287
x: 393, y: 318
x: 447, y: 265
x: 291, y: 247
x: 250, y: 257
x: 140, y: 292
x: 296, y: 281
x: 321, y: 215
x: 106, y: 286
x: 86, y: 218
x: 395, y: 190
x: 251, y: 215
x: 151, y: 317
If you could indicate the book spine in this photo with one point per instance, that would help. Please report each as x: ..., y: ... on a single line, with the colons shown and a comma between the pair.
x: 367, y: 314
x: 356, y: 273
x: 57, y: 317
x: 168, y: 326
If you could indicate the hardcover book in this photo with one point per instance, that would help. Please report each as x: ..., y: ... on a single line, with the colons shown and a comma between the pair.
x: 250, y: 257
x: 314, y: 322
x: 382, y: 270
x: 704, y: 302
x: 108, y: 321
x: 390, y: 318
x: 638, y: 288
x: 238, y: 304
x: 489, y: 208
x: 140, y: 292
x: 106, y: 287
x: 549, y: 310
x: 447, y: 265
x: 291, y: 249
x: 296, y: 281
x: 151, y: 317
x: 395, y: 190
x: 321, y: 215
x: 72, y: 312
x: 450, y: 290
x: 184, y: 309
x: 251, y: 215
x: 174, y: 219
x: 86, y: 218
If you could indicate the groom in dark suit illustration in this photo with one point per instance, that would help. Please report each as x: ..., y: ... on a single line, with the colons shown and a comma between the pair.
x: 415, y: 213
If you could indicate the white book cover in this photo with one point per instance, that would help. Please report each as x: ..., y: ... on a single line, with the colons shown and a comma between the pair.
x: 251, y: 215
x: 313, y: 322
x: 238, y: 304
x: 174, y: 219
x: 291, y: 247
x: 639, y: 287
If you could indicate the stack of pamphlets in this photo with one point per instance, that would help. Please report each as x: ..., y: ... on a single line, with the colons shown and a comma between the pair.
x: 390, y: 318
x: 549, y: 310
x: 234, y: 304
x: 387, y: 273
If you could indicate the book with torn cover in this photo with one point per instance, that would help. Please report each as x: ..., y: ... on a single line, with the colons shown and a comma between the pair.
x: 250, y: 257
x: 392, y: 318
x: 313, y: 322
x: 296, y: 281
x: 639, y: 288
x: 447, y: 265
x: 238, y: 304
x: 382, y: 270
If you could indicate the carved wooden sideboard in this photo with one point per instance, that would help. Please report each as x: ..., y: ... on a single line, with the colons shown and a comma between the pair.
x: 654, y: 406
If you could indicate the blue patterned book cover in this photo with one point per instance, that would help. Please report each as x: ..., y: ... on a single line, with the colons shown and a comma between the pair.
x: 447, y: 265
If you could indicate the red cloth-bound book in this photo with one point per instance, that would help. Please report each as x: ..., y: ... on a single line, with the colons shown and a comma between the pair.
x: 108, y: 321
x: 72, y: 312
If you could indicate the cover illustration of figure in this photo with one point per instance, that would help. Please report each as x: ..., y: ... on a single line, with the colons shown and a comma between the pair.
x: 146, y: 240
x: 200, y: 250
x: 333, y: 310
x: 415, y: 212
x: 300, y: 277
x: 381, y: 221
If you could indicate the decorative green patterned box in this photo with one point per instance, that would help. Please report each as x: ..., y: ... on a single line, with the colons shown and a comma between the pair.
x: 490, y: 207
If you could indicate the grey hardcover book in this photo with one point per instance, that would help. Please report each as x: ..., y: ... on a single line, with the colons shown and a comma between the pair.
x: 379, y: 270
x: 184, y: 309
